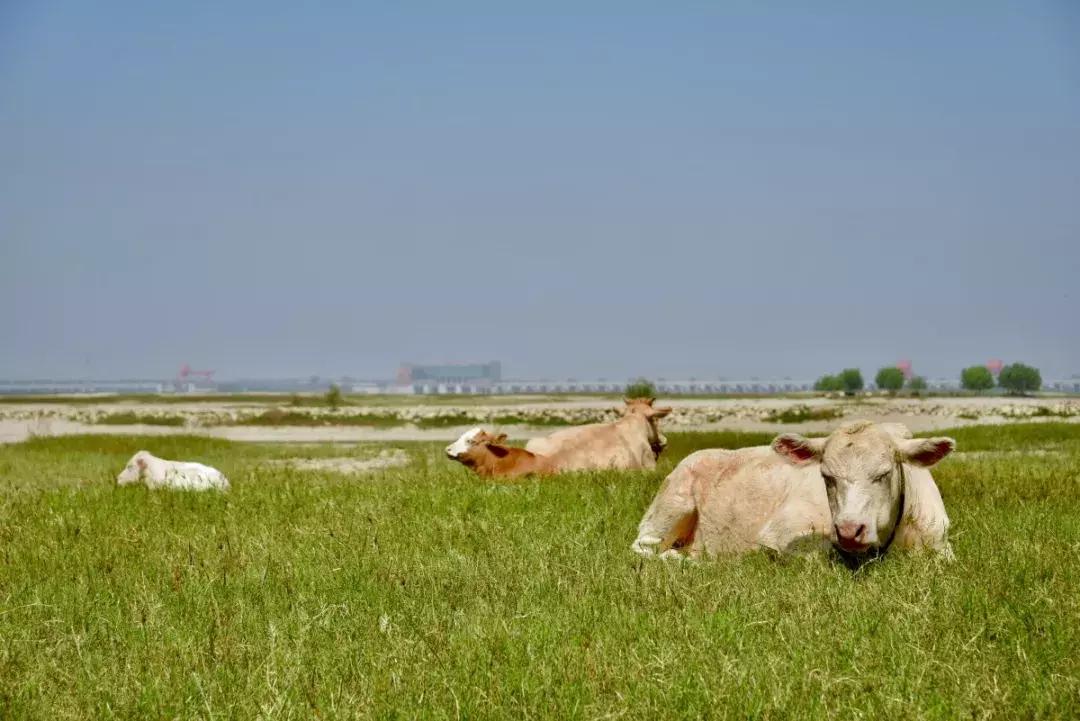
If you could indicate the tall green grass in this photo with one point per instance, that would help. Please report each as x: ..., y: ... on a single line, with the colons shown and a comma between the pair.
x: 425, y: 592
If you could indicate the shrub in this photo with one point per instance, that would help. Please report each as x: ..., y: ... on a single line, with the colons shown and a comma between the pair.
x: 1020, y: 379
x: 128, y: 418
x: 890, y: 379
x: 802, y: 414
x: 917, y: 385
x: 333, y: 397
x: 828, y: 383
x: 282, y: 417
x: 515, y: 419
x: 976, y: 378
x: 447, y: 421
x: 851, y: 381
x: 640, y: 388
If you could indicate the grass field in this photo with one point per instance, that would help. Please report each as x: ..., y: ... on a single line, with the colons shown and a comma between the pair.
x: 425, y: 592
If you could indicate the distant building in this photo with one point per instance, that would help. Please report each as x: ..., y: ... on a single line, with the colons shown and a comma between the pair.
x: 453, y: 378
x: 1069, y: 385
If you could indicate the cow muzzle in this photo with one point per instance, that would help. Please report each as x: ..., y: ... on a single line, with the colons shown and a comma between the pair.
x: 852, y: 536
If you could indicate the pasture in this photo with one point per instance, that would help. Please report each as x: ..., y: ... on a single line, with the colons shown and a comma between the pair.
x: 424, y: 592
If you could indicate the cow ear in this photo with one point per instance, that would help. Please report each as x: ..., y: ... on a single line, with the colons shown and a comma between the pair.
x: 498, y: 451
x: 926, y: 452
x: 501, y: 438
x: 649, y: 401
x: 628, y: 401
x: 140, y: 462
x: 660, y: 412
x: 798, y: 449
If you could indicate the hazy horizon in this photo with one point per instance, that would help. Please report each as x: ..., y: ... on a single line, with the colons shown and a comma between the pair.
x: 610, y: 192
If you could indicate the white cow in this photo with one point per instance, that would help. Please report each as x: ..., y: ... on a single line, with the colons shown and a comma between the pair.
x: 158, y: 473
x: 632, y: 442
x: 865, y: 488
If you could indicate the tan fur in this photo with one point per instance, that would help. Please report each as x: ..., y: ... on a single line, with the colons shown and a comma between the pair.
x: 632, y: 442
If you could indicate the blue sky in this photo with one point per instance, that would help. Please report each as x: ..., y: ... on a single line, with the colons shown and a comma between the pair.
x: 579, y: 189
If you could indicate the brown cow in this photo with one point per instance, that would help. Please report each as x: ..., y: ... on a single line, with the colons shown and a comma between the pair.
x: 488, y: 456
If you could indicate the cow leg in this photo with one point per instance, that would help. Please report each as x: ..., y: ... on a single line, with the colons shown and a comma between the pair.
x: 796, y: 529
x: 670, y: 522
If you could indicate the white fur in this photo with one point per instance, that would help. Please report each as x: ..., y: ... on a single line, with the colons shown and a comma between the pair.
x: 158, y: 473
x: 461, y: 445
x: 736, y: 501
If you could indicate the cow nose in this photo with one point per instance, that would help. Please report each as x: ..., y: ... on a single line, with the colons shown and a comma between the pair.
x: 851, y: 532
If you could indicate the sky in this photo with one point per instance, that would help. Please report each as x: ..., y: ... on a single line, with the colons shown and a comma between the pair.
x: 709, y: 189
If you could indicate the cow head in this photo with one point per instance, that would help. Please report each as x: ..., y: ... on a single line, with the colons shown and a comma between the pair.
x: 134, y: 470
x: 474, y: 445
x: 861, y: 465
x: 643, y: 408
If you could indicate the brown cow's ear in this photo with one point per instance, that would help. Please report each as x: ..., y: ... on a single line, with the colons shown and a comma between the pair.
x: 649, y: 401
x: 501, y: 438
x: 926, y: 452
x: 660, y: 412
x: 798, y: 449
x: 628, y: 401
x: 498, y: 451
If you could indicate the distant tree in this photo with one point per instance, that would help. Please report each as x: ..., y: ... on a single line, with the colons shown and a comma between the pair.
x: 977, y: 378
x: 1020, y: 379
x: 333, y: 397
x: 828, y: 384
x: 917, y: 385
x: 640, y: 388
x: 851, y: 380
x: 890, y: 379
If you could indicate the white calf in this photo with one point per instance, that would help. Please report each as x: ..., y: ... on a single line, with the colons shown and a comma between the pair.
x: 158, y: 473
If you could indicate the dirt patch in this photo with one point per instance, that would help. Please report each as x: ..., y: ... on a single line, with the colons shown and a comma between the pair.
x: 389, y: 458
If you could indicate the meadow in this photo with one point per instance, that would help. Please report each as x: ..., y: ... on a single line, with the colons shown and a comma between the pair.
x: 425, y: 592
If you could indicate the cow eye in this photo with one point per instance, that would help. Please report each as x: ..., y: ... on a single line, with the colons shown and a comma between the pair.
x: 882, y: 478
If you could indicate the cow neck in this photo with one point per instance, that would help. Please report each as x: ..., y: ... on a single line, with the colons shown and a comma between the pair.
x: 634, y: 418
x: 899, y: 511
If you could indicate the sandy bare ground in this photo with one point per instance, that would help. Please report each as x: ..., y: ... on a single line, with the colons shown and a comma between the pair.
x: 21, y: 421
